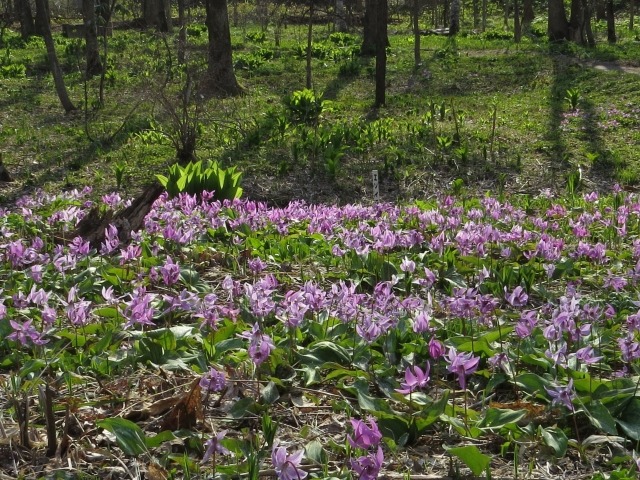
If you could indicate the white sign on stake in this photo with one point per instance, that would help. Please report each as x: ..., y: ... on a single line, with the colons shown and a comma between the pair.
x: 376, y: 187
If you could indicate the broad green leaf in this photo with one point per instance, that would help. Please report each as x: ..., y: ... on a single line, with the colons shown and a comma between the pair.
x: 129, y: 436
x: 496, y: 418
x: 600, y: 417
x: 315, y: 452
x: 532, y: 383
x: 270, y: 394
x: 242, y: 407
x: 324, y: 352
x: 556, y: 439
x: 472, y: 457
x: 629, y: 420
x: 159, y: 439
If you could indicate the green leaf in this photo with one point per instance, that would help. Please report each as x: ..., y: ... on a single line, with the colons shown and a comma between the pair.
x: 556, y: 439
x: 496, y: 418
x: 315, y: 452
x: 129, y: 436
x: 600, y: 417
x: 159, y: 439
x: 242, y: 407
x: 325, y: 352
x: 477, y: 461
x: 532, y: 383
x: 270, y: 394
x: 630, y: 419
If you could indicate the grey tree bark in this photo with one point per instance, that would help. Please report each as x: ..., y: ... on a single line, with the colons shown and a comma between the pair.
x: 454, y: 17
x: 611, y: 23
x: 94, y: 65
x: 157, y: 14
x: 42, y: 15
x: 27, y: 25
x: 340, y: 22
x: 221, y: 78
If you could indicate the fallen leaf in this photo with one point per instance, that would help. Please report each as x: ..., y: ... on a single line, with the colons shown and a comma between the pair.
x: 187, y: 411
x: 156, y: 472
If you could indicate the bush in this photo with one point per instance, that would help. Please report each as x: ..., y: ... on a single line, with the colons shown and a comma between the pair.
x: 195, y: 178
x: 305, y: 106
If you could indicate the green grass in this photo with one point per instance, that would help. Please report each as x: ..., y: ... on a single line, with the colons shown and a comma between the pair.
x: 533, y: 143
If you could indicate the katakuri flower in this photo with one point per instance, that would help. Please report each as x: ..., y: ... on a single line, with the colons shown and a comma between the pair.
x: 287, y: 466
x: 414, y: 379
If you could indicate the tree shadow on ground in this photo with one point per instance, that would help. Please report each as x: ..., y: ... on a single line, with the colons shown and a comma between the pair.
x: 562, y: 121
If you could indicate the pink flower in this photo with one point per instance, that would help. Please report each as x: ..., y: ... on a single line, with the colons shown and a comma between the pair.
x: 414, y: 379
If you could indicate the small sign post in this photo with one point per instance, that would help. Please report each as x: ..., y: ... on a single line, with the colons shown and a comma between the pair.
x: 376, y: 187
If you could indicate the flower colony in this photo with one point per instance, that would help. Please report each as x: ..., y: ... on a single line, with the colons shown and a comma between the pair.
x: 446, y: 314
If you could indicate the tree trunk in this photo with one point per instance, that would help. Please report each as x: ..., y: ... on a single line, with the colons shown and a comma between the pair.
x: 601, y: 9
x: 369, y: 28
x: 42, y: 17
x: 381, y: 52
x: 27, y: 25
x: 576, y: 23
x: 586, y: 7
x: 611, y: 23
x: 517, y: 28
x: 558, y: 26
x: 340, y: 22
x: 454, y: 19
x: 527, y: 16
x: 263, y: 13
x: 476, y: 14
x: 632, y: 12
x: 94, y: 65
x: 484, y: 15
x: 182, y: 33
x: 505, y: 19
x: 221, y: 79
x: 157, y: 14
x: 416, y: 33
x: 309, y: 45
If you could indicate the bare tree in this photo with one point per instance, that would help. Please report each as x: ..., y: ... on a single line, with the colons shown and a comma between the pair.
x: 221, y: 78
x: 454, y: 18
x: 558, y: 25
x: 157, y: 14
x: 611, y: 23
x: 42, y: 17
x: 27, y: 25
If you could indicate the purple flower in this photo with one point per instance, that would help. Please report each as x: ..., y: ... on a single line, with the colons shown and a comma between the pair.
x: 213, y: 446
x: 25, y: 333
x: 421, y: 321
x: 407, y: 266
x: 436, y: 348
x: 368, y: 467
x: 287, y: 466
x: 462, y: 364
x: 587, y: 355
x: 256, y: 265
x: 139, y: 310
x: 111, y: 240
x: 562, y: 395
x: 213, y: 381
x: 260, y: 345
x: 517, y: 298
x: 364, y: 436
x: 414, y: 379
x: 170, y: 272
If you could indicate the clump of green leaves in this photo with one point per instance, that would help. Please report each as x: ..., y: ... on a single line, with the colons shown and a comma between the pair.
x: 196, y: 177
x: 572, y: 96
x: 305, y: 106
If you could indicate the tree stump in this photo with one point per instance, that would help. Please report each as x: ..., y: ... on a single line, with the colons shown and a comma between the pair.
x: 131, y: 219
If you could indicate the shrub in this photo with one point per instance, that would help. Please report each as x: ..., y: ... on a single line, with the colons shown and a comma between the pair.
x: 195, y: 178
x: 305, y: 106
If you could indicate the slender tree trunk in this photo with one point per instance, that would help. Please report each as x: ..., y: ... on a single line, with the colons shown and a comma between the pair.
x: 221, y: 79
x: 484, y: 15
x: 611, y: 23
x: 182, y: 33
x: 42, y: 25
x: 27, y: 25
x: 527, y: 16
x: 586, y: 7
x: 309, y: 45
x: 476, y: 13
x: 576, y: 23
x: 263, y: 13
x: 454, y: 19
x: 340, y: 21
x: 632, y: 13
x: 601, y: 9
x: 505, y: 19
x: 517, y: 28
x: 416, y: 32
x: 94, y: 65
x: 42, y: 13
x: 369, y: 28
x: 381, y: 52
